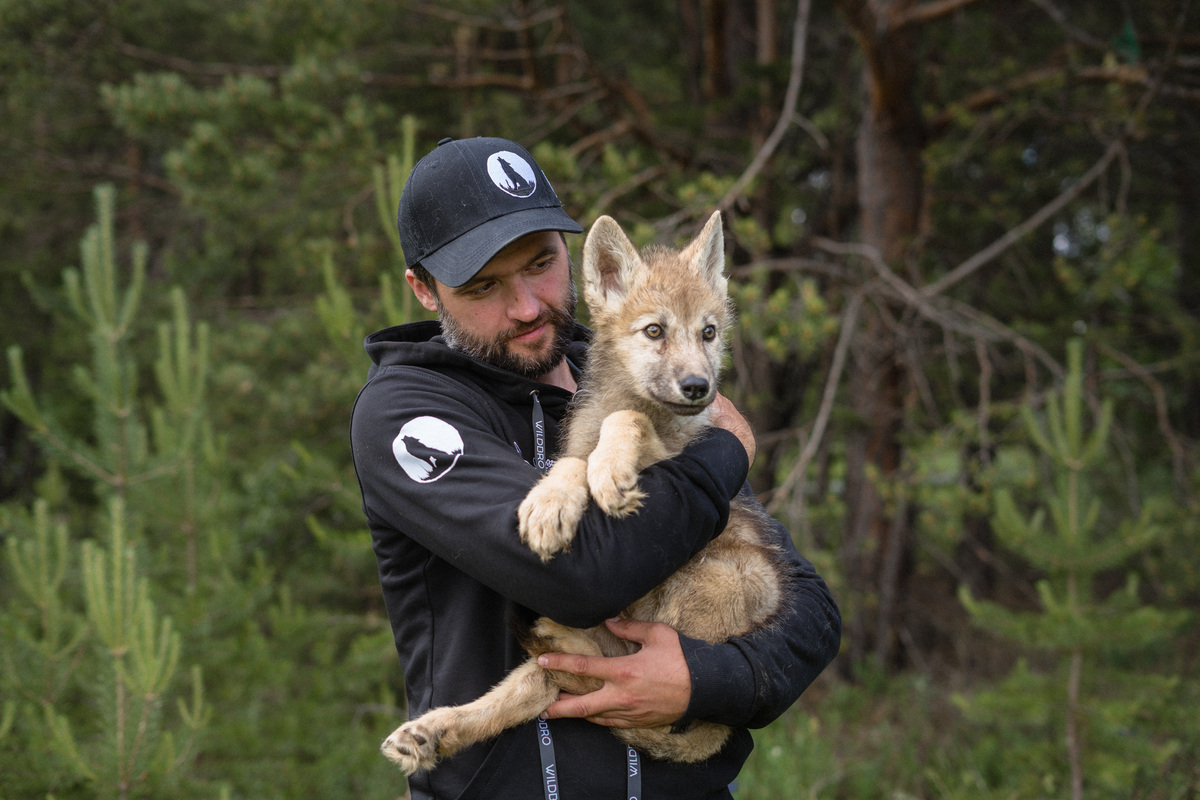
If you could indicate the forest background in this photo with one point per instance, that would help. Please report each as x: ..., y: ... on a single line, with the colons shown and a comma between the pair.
x: 964, y: 246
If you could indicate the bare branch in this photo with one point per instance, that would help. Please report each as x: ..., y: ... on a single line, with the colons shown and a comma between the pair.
x: 986, y: 255
x: 786, y: 117
x: 944, y: 312
x: 1073, y: 33
x: 601, y: 138
x: 983, y: 413
x: 628, y: 185
x: 1179, y: 457
x: 216, y: 69
x: 1115, y: 149
x: 1167, y: 62
x: 586, y: 98
x: 927, y: 12
x: 799, y: 469
x: 995, y: 330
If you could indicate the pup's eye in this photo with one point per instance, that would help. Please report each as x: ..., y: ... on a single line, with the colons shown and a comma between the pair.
x: 710, y: 332
x: 653, y: 331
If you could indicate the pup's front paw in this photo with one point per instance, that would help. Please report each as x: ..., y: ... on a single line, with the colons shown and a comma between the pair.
x: 550, y: 512
x: 413, y: 746
x: 615, y: 489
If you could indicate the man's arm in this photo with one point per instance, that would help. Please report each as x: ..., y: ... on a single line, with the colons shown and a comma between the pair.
x: 466, y: 515
x: 750, y: 680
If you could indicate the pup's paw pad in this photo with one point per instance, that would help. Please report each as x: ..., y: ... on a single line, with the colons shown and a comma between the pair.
x: 616, y: 493
x: 413, y: 746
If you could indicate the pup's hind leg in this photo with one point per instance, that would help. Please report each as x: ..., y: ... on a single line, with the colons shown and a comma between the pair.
x: 440, y: 732
x: 520, y: 697
x: 700, y: 741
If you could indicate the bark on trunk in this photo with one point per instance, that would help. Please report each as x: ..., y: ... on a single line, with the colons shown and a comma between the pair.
x: 890, y: 193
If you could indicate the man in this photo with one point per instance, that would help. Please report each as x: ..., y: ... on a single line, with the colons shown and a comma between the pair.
x: 457, y: 422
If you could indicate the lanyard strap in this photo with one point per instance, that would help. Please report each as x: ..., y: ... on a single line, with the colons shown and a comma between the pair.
x: 633, y: 780
x: 549, y: 768
x: 633, y: 783
x: 539, y: 434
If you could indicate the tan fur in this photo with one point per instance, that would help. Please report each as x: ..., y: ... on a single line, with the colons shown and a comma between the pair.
x: 645, y: 396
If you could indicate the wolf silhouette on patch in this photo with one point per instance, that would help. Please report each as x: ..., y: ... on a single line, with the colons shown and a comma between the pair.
x: 511, y: 174
x: 427, y: 448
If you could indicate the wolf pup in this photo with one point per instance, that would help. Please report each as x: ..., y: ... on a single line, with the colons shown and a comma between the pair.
x: 660, y: 321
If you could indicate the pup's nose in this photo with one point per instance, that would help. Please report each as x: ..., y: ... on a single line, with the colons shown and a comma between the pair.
x: 693, y: 387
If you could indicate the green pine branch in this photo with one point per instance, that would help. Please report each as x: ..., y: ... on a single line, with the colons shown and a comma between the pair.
x: 1068, y: 537
x: 134, y: 439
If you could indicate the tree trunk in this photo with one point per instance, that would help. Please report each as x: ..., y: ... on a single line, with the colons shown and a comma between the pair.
x: 716, y: 63
x: 693, y: 51
x: 1186, y: 173
x: 890, y: 192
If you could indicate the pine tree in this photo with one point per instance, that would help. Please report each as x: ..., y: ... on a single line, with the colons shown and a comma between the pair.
x: 1079, y: 640
x: 110, y: 648
x: 345, y: 328
x: 344, y: 325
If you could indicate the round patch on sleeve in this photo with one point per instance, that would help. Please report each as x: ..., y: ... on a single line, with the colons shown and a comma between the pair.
x: 427, y: 448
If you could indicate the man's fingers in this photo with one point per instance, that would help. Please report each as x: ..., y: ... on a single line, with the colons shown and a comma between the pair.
x: 633, y: 630
x: 651, y: 686
x: 586, y: 706
x: 723, y: 414
x: 569, y: 705
x: 575, y: 664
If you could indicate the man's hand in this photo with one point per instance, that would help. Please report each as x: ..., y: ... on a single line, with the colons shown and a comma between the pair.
x: 649, y: 688
x: 722, y: 414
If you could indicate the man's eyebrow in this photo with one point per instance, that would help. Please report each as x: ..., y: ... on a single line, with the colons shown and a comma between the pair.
x: 466, y: 287
x: 547, y: 251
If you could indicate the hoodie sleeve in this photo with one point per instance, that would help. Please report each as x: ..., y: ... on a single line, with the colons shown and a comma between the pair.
x: 432, y: 466
x: 750, y: 680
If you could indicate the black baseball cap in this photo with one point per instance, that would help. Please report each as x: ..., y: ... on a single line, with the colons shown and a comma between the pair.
x: 470, y: 198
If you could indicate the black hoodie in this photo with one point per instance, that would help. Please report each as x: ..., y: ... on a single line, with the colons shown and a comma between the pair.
x: 443, y: 446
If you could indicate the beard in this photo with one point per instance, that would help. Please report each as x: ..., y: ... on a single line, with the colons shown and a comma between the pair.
x: 496, y: 351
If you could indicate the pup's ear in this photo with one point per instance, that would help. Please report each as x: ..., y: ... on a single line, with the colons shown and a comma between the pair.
x: 610, y: 262
x: 707, y: 253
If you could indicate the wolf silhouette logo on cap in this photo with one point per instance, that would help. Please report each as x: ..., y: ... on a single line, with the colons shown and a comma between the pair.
x: 427, y: 448
x: 511, y: 174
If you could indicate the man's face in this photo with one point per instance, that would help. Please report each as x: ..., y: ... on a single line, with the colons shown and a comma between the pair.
x: 517, y: 313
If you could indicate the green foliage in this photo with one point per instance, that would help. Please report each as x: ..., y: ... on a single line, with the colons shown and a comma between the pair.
x: 904, y: 737
x: 120, y: 451
x: 792, y: 759
x: 121, y: 654
x: 97, y: 639
x: 1079, y: 636
x: 343, y: 324
x: 793, y: 319
x: 251, y: 144
x: 140, y: 650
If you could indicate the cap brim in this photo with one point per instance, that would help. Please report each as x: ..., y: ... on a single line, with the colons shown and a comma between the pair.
x: 457, y: 261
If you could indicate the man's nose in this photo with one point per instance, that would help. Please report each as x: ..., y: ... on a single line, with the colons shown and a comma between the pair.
x: 523, y: 304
